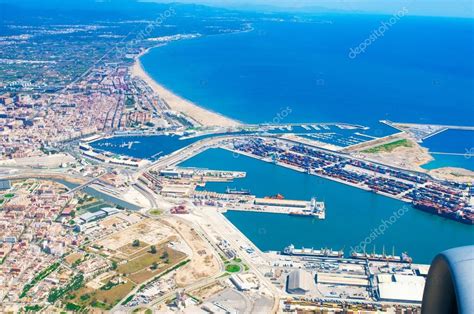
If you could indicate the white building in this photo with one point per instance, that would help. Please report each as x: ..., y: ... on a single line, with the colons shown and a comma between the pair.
x: 401, y: 288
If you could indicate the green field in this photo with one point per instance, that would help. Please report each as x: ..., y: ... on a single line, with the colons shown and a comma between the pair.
x: 386, y: 148
x: 155, y: 212
x: 232, y: 268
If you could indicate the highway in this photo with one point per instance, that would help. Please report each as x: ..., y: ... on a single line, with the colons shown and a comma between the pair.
x: 84, y: 185
x: 186, y: 153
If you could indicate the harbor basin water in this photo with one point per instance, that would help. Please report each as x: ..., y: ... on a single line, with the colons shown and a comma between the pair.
x: 352, y: 214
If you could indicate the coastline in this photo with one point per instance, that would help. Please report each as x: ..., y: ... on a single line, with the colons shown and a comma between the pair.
x: 199, y: 114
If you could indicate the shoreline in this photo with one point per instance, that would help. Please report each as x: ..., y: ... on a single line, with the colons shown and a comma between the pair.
x: 201, y: 115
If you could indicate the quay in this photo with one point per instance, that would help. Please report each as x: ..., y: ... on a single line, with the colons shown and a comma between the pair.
x: 250, y: 203
x: 202, y: 174
x: 299, y: 208
x: 447, y: 199
x: 424, y: 131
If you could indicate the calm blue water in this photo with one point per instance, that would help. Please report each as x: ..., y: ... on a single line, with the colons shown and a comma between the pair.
x: 143, y: 146
x: 440, y: 161
x: 418, y: 72
x: 105, y: 197
x: 148, y: 146
x: 451, y: 141
x: 351, y: 213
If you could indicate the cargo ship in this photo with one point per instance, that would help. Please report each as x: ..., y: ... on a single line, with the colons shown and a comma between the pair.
x: 290, y: 250
x: 237, y: 192
x: 302, y: 213
x: 403, y: 258
x: 275, y: 197
x: 463, y: 216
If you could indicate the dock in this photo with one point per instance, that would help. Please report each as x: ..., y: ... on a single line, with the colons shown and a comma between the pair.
x: 312, y: 209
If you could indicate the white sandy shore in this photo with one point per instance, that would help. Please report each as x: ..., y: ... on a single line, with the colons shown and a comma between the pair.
x: 203, y: 116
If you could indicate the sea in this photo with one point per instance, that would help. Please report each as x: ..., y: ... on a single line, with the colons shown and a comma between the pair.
x: 421, y: 71
x: 451, y: 148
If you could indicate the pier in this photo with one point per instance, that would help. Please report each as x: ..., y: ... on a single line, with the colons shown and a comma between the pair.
x: 424, y: 131
x: 311, y: 209
x: 250, y: 203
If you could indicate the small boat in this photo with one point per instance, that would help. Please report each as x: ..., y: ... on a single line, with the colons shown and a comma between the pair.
x: 237, y: 192
x: 275, y: 197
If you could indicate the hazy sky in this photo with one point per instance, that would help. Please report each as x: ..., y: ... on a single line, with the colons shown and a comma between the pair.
x: 463, y: 8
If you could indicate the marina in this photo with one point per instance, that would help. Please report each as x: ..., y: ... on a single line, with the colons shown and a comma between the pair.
x: 153, y: 146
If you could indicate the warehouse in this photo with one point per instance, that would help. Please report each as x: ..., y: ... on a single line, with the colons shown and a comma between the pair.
x: 336, y: 279
x: 5, y: 185
x: 402, y: 288
x: 299, y: 282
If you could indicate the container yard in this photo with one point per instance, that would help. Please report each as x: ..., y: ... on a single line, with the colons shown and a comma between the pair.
x: 447, y: 199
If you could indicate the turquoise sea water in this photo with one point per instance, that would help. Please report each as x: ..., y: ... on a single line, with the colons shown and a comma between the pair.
x: 351, y: 216
x: 458, y: 161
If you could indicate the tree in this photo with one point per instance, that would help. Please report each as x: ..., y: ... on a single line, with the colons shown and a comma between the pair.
x: 154, y: 266
x: 136, y: 243
x: 165, y: 255
x: 153, y: 249
x: 114, y: 265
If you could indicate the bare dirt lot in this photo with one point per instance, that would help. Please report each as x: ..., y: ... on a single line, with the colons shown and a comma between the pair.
x: 203, y: 263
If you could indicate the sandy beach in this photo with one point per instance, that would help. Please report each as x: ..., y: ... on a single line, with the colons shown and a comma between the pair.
x: 202, y: 116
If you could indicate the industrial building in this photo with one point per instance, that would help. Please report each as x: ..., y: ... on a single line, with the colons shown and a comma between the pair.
x: 280, y: 202
x: 104, y: 212
x: 339, y: 279
x: 299, y: 282
x: 5, y: 185
x: 240, y: 283
x: 401, y: 288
